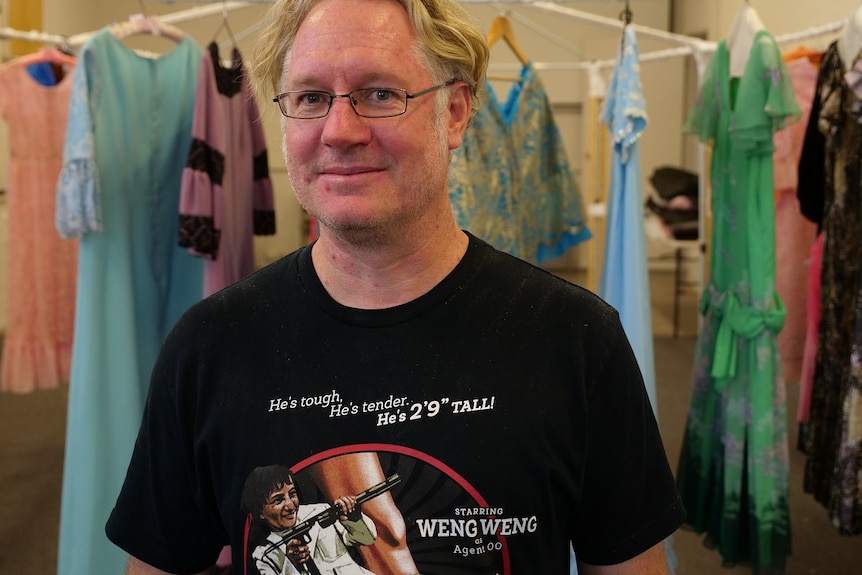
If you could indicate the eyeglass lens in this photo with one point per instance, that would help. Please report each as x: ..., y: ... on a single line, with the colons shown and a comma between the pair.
x: 369, y: 102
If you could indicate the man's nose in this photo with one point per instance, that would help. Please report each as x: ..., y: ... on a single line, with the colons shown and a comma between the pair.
x: 344, y: 127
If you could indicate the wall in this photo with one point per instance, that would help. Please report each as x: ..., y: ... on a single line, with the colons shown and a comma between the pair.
x: 779, y: 16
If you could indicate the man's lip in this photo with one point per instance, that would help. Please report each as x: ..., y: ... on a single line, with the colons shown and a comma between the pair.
x: 347, y: 170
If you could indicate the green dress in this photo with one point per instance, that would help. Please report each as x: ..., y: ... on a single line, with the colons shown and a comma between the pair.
x: 733, y: 468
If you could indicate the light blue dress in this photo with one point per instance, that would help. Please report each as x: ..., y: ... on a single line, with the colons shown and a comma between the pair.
x: 510, y: 182
x: 625, y: 278
x: 127, y: 140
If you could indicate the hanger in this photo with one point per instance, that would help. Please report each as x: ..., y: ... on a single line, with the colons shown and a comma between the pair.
x: 224, y: 26
x: 745, y: 27
x: 850, y: 40
x: 144, y: 24
x: 58, y: 61
x: 53, y: 55
x: 812, y: 55
x: 627, y: 15
x: 138, y: 24
x: 501, y: 28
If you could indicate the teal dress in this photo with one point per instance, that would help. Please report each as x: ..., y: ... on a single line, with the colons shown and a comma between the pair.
x: 510, y: 182
x: 733, y: 469
x: 127, y: 140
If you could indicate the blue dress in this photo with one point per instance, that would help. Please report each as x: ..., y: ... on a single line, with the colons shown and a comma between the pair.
x: 510, y: 182
x: 127, y: 139
x: 625, y: 278
x: 625, y: 275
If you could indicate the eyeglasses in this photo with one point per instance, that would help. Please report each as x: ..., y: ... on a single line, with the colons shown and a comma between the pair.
x: 366, y: 102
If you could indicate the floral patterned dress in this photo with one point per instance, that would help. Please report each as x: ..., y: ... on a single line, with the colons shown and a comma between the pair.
x: 833, y: 444
x: 733, y: 469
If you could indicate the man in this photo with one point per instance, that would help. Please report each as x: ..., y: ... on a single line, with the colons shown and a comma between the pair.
x: 508, y: 399
x: 271, y: 499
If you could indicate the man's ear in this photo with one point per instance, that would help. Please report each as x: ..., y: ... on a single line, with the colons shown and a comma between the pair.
x: 460, y: 107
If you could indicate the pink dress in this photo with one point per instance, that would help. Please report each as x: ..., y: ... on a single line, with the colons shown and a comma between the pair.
x: 226, y: 196
x: 42, y: 267
x: 794, y: 234
x: 809, y: 353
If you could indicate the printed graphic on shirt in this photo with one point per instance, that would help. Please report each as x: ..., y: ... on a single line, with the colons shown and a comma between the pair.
x: 384, y: 411
x: 378, y: 509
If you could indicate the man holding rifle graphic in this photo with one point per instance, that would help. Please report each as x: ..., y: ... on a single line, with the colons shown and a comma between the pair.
x: 314, y: 538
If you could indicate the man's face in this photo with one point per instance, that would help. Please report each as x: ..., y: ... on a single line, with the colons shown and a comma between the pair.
x: 359, y: 174
x: 280, y: 508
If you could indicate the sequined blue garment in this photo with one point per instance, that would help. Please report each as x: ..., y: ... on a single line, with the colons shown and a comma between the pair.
x: 510, y: 182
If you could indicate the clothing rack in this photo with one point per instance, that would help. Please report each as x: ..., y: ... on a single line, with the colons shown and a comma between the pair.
x: 699, y: 49
x: 181, y: 16
x: 32, y: 36
x: 686, y: 45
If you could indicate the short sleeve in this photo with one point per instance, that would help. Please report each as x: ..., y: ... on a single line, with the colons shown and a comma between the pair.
x: 625, y: 108
x: 613, y: 521
x: 766, y: 103
x: 702, y: 119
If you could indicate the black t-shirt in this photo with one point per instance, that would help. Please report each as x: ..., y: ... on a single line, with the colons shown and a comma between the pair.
x: 505, y: 406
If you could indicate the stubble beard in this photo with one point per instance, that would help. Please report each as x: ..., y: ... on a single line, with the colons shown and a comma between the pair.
x: 370, y: 234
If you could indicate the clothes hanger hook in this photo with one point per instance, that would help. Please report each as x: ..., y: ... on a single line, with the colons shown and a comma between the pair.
x: 143, y: 8
x: 626, y: 15
x: 225, y: 25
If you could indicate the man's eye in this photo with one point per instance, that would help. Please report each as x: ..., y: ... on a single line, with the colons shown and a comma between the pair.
x: 382, y: 95
x: 309, y: 99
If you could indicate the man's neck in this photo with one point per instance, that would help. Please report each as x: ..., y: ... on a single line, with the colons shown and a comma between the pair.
x: 390, y: 274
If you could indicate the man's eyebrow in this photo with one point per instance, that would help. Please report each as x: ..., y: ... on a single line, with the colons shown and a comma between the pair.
x: 371, y: 80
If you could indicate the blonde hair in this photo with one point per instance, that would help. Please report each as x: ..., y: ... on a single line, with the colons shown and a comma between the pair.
x: 449, y: 44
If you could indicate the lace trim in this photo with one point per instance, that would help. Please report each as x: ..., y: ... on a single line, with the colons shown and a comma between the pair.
x: 264, y: 222
x: 199, y: 234
x: 204, y: 158
x: 261, y: 166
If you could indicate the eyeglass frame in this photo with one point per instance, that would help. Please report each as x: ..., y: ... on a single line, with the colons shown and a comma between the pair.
x: 407, y: 97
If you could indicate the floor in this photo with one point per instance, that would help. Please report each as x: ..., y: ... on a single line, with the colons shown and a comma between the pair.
x: 32, y: 431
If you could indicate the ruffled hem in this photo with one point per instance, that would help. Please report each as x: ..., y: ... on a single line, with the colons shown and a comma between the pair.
x: 32, y: 366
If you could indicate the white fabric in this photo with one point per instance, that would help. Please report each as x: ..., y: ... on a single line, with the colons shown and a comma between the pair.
x: 745, y: 27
